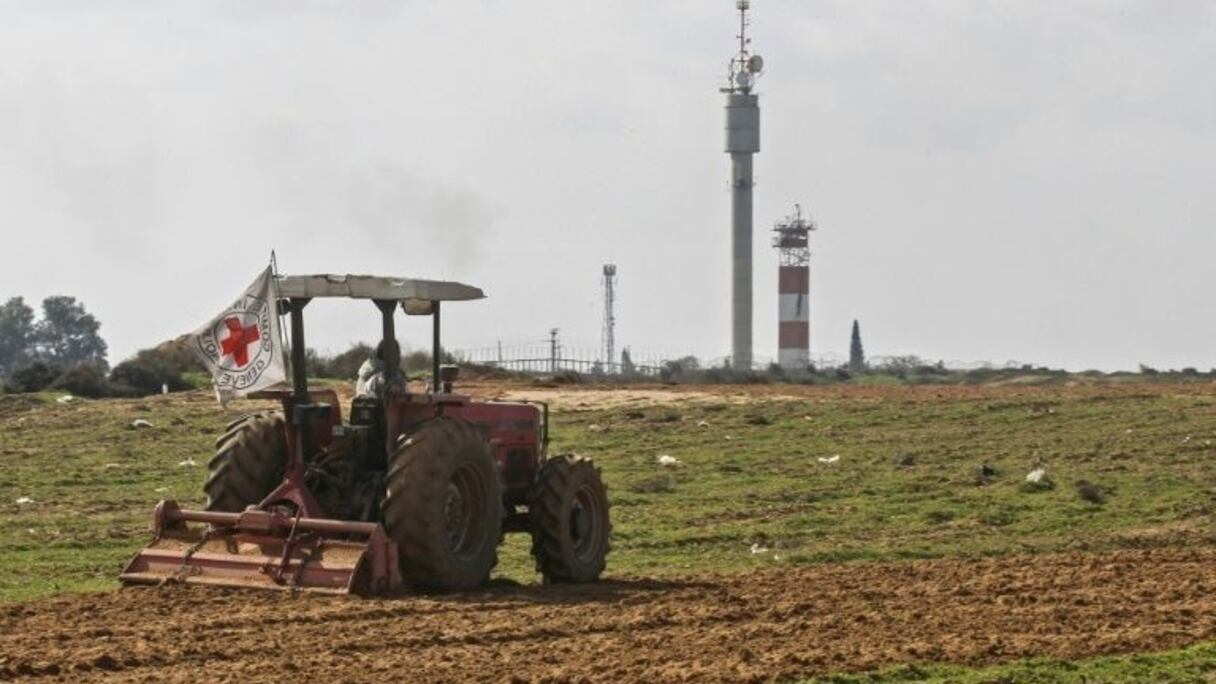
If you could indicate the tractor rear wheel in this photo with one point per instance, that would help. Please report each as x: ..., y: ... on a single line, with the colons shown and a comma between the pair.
x: 568, y: 507
x: 443, y: 506
x: 249, y: 462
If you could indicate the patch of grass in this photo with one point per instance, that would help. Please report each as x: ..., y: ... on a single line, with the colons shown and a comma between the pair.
x: 741, y: 478
x: 660, y: 484
x: 94, y: 480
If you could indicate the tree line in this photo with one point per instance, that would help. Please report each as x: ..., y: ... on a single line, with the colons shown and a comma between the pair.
x: 64, y: 335
x: 61, y: 348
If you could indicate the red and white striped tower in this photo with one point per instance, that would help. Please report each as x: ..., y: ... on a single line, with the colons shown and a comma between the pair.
x: 792, y: 241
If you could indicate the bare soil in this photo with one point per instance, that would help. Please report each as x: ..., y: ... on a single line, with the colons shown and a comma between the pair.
x: 777, y: 624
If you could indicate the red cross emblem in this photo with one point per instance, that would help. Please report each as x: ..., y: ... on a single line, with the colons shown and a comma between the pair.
x: 239, y: 338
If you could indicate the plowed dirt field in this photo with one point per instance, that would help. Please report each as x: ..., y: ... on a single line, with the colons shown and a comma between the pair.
x: 778, y: 624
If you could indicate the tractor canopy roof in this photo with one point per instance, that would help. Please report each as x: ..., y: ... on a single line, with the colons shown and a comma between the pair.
x: 406, y: 290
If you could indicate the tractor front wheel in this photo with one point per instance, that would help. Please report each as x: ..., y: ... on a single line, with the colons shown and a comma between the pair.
x: 249, y: 462
x: 568, y: 507
x: 443, y: 506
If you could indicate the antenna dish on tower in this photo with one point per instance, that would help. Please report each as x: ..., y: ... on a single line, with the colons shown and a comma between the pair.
x: 745, y: 67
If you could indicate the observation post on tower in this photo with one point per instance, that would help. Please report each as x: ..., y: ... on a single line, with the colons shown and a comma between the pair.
x: 791, y: 238
x: 742, y: 142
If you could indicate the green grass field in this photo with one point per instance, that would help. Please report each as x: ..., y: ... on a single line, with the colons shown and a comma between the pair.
x: 909, y: 473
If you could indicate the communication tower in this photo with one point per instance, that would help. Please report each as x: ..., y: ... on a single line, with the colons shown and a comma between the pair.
x: 742, y: 142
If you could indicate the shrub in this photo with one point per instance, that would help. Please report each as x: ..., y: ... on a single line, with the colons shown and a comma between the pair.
x: 87, y: 380
x: 472, y: 371
x: 568, y: 377
x: 420, y: 361
x: 35, y: 377
x: 679, y: 367
x: 174, y: 355
x: 147, y: 375
x: 416, y: 362
x: 1091, y: 492
x: 343, y: 366
x: 729, y: 376
x: 150, y: 369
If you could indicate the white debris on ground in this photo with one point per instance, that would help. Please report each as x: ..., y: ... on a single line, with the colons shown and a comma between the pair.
x: 830, y: 460
x: 65, y: 399
x: 111, y: 466
x: 1036, y: 476
x: 161, y: 490
x: 188, y: 463
x: 595, y: 428
x: 756, y: 548
x: 21, y: 501
x: 668, y: 461
x: 141, y: 423
x: 703, y: 424
x: 728, y: 438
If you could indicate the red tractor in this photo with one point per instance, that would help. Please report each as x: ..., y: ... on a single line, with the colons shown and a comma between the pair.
x: 415, y: 485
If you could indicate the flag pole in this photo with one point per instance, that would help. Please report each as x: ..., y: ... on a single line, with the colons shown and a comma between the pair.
x: 274, y: 284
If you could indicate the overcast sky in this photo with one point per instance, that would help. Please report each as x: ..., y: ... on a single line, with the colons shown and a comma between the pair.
x: 992, y: 180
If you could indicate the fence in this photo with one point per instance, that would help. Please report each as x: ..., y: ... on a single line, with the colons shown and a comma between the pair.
x: 550, y: 357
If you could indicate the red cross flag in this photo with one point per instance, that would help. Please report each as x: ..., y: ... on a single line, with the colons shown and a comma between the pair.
x: 241, y: 347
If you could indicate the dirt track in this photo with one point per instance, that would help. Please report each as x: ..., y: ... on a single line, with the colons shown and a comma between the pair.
x: 770, y: 625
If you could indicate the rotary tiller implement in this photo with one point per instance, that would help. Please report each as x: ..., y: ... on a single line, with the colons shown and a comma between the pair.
x: 266, y: 549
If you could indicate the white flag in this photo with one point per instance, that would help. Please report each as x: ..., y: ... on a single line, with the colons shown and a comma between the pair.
x: 241, y: 347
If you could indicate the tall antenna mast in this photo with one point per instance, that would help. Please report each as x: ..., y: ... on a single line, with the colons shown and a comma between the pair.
x: 742, y: 143
x: 608, y: 334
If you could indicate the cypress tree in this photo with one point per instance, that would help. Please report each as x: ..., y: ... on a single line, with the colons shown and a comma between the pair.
x: 857, y: 354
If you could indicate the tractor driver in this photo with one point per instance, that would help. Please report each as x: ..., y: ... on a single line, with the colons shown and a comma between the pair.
x: 381, y: 374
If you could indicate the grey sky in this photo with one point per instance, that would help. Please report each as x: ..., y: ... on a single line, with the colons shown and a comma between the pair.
x: 993, y: 180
